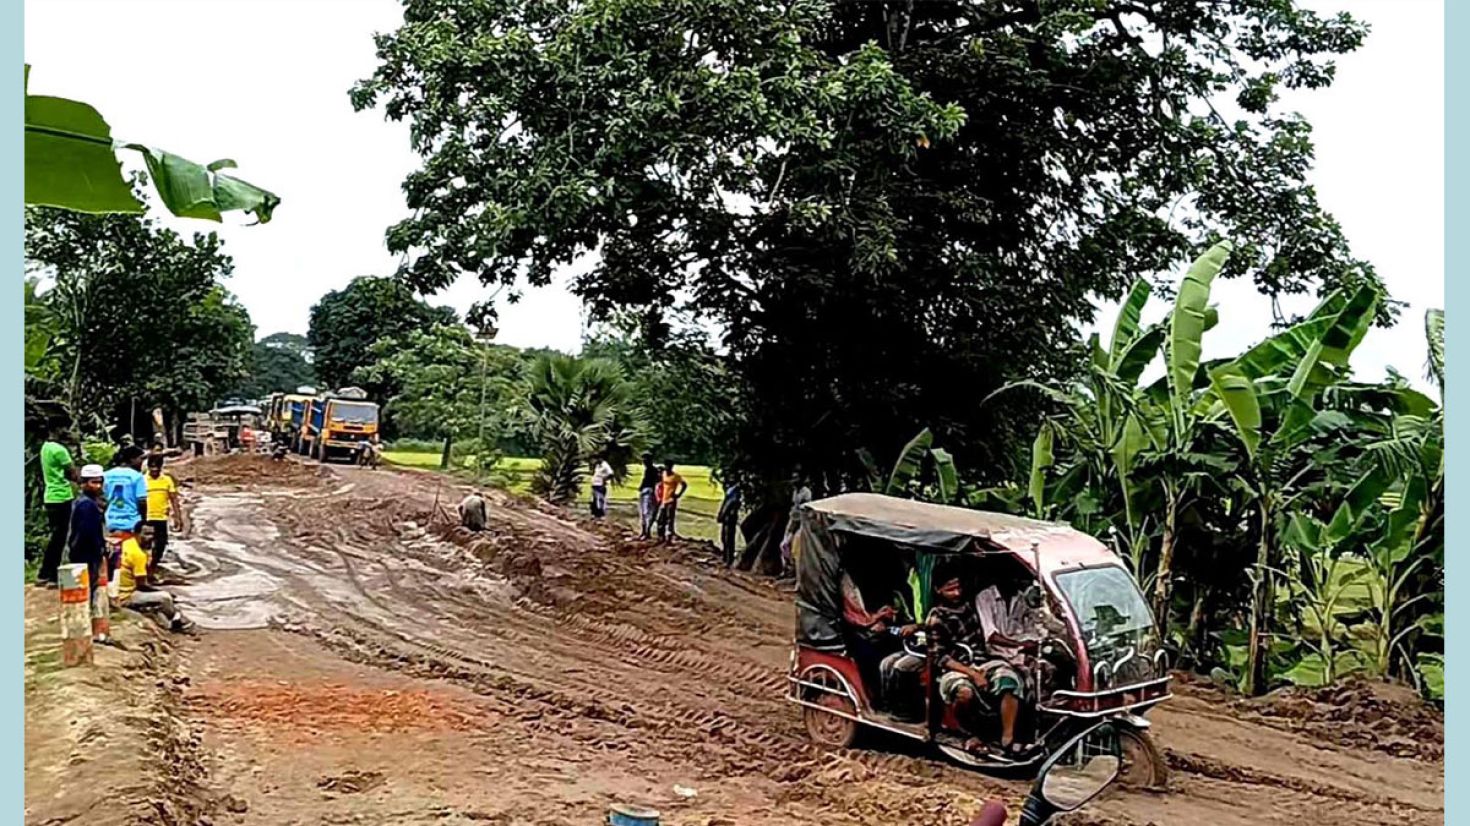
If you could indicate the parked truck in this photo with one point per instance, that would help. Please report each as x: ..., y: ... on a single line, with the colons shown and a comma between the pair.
x: 284, y: 413
x: 335, y: 425
x: 219, y: 430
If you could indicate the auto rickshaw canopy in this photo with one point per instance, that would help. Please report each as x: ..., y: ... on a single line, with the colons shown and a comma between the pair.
x: 930, y: 530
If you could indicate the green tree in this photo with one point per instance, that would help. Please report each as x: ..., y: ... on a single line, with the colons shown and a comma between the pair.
x: 282, y: 363
x: 677, y: 386
x: 450, y: 387
x: 580, y: 415
x: 889, y: 208
x: 346, y: 323
x: 142, y: 319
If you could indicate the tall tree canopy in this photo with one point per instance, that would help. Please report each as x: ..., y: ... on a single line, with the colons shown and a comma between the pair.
x: 282, y: 363
x: 346, y: 323
x: 139, y: 317
x: 889, y: 208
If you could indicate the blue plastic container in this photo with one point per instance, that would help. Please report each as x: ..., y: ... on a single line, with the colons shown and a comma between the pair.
x: 621, y: 815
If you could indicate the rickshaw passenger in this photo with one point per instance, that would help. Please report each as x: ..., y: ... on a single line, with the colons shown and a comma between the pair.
x: 961, y: 684
x: 1015, y: 624
x: 871, y: 636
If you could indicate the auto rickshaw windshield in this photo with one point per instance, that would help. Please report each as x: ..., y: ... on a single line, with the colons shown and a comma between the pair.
x: 1109, y: 609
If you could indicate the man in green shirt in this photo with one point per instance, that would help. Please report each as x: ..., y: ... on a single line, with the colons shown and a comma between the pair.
x: 57, y: 471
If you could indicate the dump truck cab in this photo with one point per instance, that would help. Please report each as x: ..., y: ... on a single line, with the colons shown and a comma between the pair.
x: 337, y: 424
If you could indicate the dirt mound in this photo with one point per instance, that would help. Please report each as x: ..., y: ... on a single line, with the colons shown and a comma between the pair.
x: 313, y: 708
x: 246, y: 469
x: 1362, y: 714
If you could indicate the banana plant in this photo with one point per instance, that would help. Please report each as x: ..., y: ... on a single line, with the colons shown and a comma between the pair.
x: 1269, y: 397
x: 1188, y: 322
x: 906, y: 470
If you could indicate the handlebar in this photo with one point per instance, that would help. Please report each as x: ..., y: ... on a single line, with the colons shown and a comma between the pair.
x: 961, y: 651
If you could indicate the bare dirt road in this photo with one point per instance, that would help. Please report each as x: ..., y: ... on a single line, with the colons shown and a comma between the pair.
x: 361, y: 663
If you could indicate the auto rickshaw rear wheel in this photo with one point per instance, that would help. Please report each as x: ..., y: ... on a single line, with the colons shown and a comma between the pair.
x: 828, y: 728
x: 1143, y: 765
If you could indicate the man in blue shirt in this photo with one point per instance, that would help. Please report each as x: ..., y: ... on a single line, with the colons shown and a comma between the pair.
x: 125, y: 490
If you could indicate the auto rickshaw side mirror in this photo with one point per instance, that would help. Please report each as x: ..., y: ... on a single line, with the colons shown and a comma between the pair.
x: 1077, y: 772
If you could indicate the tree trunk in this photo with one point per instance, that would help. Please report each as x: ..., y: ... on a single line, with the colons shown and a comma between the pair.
x: 1194, y: 637
x: 1260, y: 605
x: 444, y: 460
x: 763, y: 529
x: 1163, y: 579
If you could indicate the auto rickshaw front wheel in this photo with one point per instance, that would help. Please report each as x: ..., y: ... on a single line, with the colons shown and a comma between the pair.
x: 830, y: 728
x: 1143, y: 764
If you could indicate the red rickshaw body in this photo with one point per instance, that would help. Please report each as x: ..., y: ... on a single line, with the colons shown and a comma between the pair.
x: 1072, y: 568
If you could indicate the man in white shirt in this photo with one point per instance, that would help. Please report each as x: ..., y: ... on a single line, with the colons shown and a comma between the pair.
x: 600, y: 476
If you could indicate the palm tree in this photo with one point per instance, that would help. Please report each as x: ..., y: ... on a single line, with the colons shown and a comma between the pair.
x: 581, y: 414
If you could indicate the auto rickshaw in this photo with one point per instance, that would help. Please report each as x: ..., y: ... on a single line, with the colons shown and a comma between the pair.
x: 1099, y: 658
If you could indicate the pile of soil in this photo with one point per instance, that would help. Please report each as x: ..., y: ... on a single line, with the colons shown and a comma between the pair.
x: 1362, y: 714
x: 251, y: 469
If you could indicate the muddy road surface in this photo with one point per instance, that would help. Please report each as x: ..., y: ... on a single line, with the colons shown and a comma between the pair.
x: 361, y: 662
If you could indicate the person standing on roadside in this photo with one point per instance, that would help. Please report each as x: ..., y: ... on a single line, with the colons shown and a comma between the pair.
x: 125, y: 490
x: 87, y: 542
x: 647, y: 494
x: 729, y: 518
x: 57, y: 472
x: 163, y: 506
x: 801, y: 494
x: 125, y: 494
x: 600, y: 477
x: 671, y: 489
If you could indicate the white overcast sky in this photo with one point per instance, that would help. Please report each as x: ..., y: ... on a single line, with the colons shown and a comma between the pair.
x: 265, y: 82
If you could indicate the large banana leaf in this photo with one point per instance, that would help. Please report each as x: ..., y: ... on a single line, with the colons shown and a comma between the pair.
x: 1354, y: 507
x: 909, y: 461
x: 1132, y: 439
x: 1282, y: 352
x: 1136, y: 355
x: 1127, y: 327
x: 1041, y: 459
x: 69, y: 159
x: 39, y: 328
x: 1188, y: 321
x: 1434, y: 337
x: 1335, y: 345
x: 949, y: 480
x: 1238, y: 395
x: 71, y: 163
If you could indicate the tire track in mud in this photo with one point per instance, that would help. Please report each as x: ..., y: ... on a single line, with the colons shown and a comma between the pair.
x: 1202, y: 766
x: 607, y: 706
x: 633, y: 651
x: 756, y: 742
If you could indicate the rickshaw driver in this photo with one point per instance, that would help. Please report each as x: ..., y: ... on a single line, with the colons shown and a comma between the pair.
x: 961, y: 684
x: 1016, y: 625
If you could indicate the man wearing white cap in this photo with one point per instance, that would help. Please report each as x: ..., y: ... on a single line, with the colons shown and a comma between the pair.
x: 88, y: 542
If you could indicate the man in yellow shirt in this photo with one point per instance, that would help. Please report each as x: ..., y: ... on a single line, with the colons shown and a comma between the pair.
x: 135, y: 587
x: 163, y: 506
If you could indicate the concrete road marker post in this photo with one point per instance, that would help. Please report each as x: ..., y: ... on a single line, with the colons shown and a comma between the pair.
x: 76, y: 621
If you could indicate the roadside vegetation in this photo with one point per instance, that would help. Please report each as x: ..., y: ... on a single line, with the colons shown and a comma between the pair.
x: 822, y: 228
